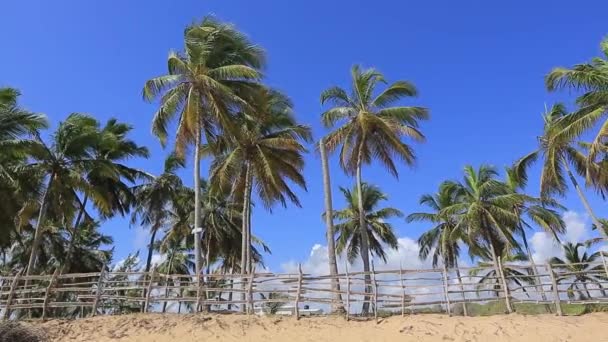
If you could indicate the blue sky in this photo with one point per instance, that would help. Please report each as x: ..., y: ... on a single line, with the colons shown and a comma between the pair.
x: 479, y: 67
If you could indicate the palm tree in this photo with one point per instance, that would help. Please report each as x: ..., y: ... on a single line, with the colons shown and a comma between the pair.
x: 63, y: 163
x: 512, y: 273
x: 177, y: 260
x: 484, y: 210
x: 109, y: 179
x: 200, y: 89
x: 592, y: 79
x: 154, y: 200
x: 375, y: 230
x: 372, y: 128
x: 264, y: 154
x: 442, y: 240
x: 555, y: 147
x: 582, y: 268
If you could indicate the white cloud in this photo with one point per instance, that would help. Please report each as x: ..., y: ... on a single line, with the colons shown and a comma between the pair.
x: 575, y: 226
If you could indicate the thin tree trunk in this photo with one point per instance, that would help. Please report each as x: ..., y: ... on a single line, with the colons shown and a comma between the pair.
x: 167, y: 284
x: 197, y: 203
x: 596, y: 221
x: 244, y: 234
x: 464, y: 297
x: 329, y: 222
x: 150, y: 250
x: 69, y: 256
x: 364, y: 241
x: 38, y: 232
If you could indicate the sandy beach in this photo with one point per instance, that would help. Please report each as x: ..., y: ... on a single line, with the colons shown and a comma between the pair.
x: 175, y: 328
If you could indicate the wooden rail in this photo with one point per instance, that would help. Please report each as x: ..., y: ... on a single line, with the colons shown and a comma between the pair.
x: 392, y: 291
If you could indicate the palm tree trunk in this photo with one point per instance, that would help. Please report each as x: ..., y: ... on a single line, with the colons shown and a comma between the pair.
x: 245, y: 233
x: 197, y: 203
x: 364, y: 241
x: 38, y: 232
x: 329, y: 222
x: 464, y: 297
x: 150, y: 250
x: 68, y: 261
x: 596, y: 221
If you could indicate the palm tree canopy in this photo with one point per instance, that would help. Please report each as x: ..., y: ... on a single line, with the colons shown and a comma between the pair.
x: 379, y: 231
x: 373, y: 127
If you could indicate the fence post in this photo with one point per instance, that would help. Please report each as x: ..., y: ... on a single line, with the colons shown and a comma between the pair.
x: 99, y: 289
x: 558, y: 305
x: 505, y: 287
x: 48, y: 292
x: 199, y: 293
x: 347, y: 290
x: 402, y: 290
x: 446, y: 290
x: 11, y: 294
x: 375, y: 291
x: 250, y: 291
x: 149, y: 289
x: 296, y: 308
x: 604, y: 263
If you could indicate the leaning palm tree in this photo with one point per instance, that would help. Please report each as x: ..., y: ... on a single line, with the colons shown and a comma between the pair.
x: 592, y: 79
x: 444, y: 238
x: 200, y: 90
x: 154, y: 200
x: 376, y: 230
x: 64, y: 164
x: 583, y: 269
x: 264, y: 155
x: 372, y: 128
x: 559, y: 154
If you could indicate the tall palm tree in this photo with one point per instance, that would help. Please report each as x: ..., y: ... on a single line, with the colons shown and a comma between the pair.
x: 154, y: 200
x: 442, y: 240
x: 583, y: 268
x: 200, y: 89
x: 63, y: 163
x: 558, y: 155
x: 376, y: 230
x: 263, y: 156
x: 373, y: 128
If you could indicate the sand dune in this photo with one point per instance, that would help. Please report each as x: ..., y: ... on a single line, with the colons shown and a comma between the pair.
x: 176, y: 328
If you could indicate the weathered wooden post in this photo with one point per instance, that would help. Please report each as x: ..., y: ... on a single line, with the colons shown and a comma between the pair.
x: 402, y: 290
x: 558, y: 304
x: 347, y: 309
x: 99, y: 290
x: 375, y: 292
x: 604, y: 263
x: 11, y: 294
x: 505, y: 287
x: 149, y: 289
x: 48, y: 292
x: 199, y: 293
x: 298, y: 293
x: 250, y: 292
x: 446, y: 291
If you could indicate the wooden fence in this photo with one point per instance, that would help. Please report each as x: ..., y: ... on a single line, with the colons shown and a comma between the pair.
x: 400, y: 291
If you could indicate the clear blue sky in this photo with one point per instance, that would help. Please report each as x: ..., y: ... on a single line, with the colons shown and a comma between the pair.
x: 479, y: 66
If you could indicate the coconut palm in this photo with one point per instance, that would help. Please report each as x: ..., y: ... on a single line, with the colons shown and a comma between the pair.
x: 444, y: 238
x: 64, y: 164
x: 263, y: 156
x: 377, y: 231
x: 484, y: 210
x: 592, y: 79
x: 373, y: 128
x: 558, y: 155
x: 200, y: 90
x: 583, y: 268
x: 154, y: 200
x: 514, y: 274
